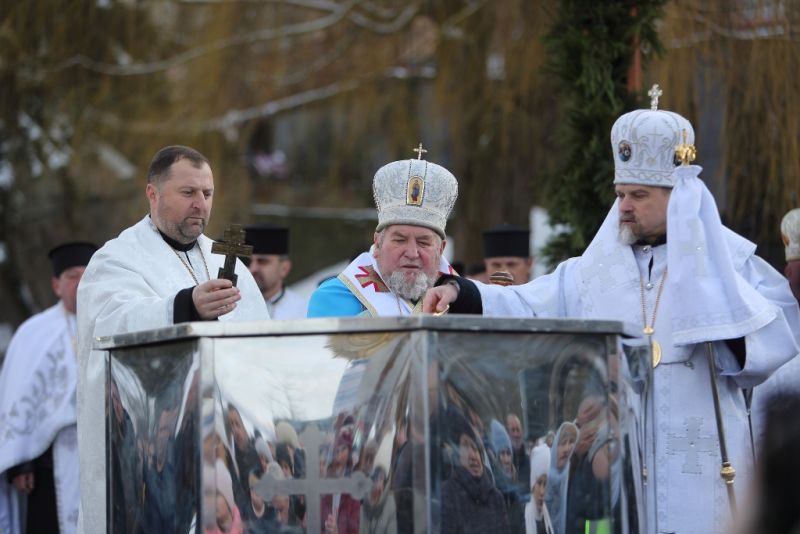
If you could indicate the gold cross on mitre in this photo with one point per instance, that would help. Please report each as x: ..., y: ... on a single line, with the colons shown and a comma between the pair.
x: 420, y: 151
x: 233, y: 245
x: 685, y: 152
x: 654, y: 93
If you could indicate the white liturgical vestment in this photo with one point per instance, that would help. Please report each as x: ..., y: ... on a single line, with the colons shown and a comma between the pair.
x: 609, y: 281
x: 37, y: 408
x: 130, y: 285
x: 287, y: 305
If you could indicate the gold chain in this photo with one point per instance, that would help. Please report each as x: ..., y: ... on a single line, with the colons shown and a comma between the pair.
x: 649, y: 329
x: 188, y: 268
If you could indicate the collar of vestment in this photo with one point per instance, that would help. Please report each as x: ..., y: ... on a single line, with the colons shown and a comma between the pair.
x: 363, y: 278
x: 278, y: 296
x: 177, y: 245
x: 660, y: 240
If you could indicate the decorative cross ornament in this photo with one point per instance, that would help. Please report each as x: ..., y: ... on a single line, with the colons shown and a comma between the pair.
x: 692, y: 444
x: 357, y: 485
x: 232, y: 246
x: 654, y: 93
x: 420, y: 151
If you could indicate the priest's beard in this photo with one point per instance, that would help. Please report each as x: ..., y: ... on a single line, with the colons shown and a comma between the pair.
x: 627, y: 235
x: 410, y: 288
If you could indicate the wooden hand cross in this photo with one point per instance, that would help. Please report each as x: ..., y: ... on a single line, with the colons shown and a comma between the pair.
x: 232, y: 246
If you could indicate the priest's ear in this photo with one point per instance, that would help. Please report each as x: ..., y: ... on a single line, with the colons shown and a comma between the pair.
x: 151, y: 191
x: 285, y: 266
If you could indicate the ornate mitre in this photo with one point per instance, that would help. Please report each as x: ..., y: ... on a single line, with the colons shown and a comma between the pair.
x: 416, y: 192
x: 644, y: 143
x: 790, y: 231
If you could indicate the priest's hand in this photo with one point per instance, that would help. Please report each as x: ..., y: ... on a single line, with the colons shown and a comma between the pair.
x: 437, y: 299
x: 23, y: 482
x: 215, y: 298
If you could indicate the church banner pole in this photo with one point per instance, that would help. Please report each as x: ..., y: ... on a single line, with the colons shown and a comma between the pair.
x: 727, y: 472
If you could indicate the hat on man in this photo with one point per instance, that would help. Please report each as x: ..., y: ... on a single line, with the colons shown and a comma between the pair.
x: 507, y: 240
x: 71, y: 254
x: 268, y: 238
x: 656, y: 148
x: 415, y: 192
x: 790, y: 231
x: 644, y: 143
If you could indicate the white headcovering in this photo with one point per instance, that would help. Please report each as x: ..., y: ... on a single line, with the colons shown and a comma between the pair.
x: 415, y: 192
x: 224, y: 483
x: 643, y: 143
x: 790, y: 231
x: 717, y: 303
x: 540, y: 462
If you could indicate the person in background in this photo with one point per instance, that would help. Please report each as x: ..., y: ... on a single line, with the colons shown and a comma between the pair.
x: 790, y: 232
x: 38, y: 421
x: 508, y: 248
x: 537, y: 520
x: 270, y: 265
x: 471, y: 504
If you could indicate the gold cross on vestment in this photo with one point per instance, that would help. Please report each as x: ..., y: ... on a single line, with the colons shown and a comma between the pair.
x: 654, y: 93
x: 420, y: 151
x: 232, y: 246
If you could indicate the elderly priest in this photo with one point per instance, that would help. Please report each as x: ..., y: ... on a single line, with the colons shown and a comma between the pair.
x: 413, y: 198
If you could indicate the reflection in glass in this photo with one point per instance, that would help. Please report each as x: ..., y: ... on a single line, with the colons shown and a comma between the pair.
x: 406, y: 431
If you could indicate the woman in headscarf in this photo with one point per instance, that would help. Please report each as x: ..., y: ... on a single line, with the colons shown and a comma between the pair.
x: 558, y: 476
x: 471, y: 504
x: 228, y: 520
x: 537, y: 520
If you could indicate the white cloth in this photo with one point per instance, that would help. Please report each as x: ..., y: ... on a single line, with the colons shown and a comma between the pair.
x: 287, y: 305
x: 604, y: 283
x: 717, y: 303
x: 37, y: 405
x: 130, y: 285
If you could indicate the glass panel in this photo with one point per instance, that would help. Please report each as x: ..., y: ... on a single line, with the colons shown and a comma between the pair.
x: 153, y: 437
x: 307, y: 431
x: 524, y: 416
x: 406, y: 431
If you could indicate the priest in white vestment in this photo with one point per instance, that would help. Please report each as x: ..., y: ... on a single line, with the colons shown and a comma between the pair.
x: 157, y: 273
x: 413, y: 198
x: 270, y: 265
x: 663, y: 260
x: 38, y: 436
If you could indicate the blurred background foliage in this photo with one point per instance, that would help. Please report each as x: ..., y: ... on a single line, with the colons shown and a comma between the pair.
x: 298, y: 102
